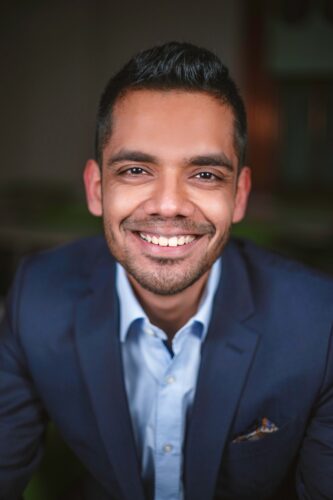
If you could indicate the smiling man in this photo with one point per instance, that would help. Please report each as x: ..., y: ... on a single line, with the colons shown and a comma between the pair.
x: 172, y: 359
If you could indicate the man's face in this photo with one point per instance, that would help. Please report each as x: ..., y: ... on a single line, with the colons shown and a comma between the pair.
x: 169, y: 189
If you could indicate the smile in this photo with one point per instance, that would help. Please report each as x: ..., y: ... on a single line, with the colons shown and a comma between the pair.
x: 164, y: 241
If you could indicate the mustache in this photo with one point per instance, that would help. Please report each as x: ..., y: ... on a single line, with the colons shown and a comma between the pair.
x: 160, y: 223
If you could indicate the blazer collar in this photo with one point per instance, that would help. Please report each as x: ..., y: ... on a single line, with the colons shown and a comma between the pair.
x: 97, y: 335
x: 226, y: 358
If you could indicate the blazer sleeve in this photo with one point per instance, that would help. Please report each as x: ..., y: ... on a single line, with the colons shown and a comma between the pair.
x: 22, y: 418
x: 315, y: 467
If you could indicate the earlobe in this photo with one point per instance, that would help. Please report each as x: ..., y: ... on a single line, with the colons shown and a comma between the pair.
x: 242, y: 194
x: 93, y: 187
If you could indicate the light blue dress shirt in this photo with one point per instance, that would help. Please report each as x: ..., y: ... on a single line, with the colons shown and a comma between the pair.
x: 160, y: 384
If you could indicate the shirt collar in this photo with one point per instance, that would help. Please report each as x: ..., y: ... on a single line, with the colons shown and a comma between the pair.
x: 131, y: 310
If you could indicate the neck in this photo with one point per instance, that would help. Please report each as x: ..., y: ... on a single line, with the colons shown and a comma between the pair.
x: 170, y: 312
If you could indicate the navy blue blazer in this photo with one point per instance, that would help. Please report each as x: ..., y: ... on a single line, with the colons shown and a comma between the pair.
x: 268, y: 353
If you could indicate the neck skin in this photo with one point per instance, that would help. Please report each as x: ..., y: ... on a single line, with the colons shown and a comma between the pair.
x: 170, y: 312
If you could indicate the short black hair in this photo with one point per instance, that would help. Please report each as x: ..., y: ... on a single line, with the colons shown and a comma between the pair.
x: 173, y: 66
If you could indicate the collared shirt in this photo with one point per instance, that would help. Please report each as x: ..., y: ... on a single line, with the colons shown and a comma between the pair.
x: 160, y: 383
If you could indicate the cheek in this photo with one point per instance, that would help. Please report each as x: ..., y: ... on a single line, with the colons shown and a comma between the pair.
x: 120, y: 202
x: 218, y: 209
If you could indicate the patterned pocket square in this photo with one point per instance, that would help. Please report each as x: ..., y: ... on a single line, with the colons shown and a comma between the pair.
x: 259, y: 431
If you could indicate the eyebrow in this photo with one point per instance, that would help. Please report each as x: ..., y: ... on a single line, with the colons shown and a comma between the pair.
x: 208, y: 160
x: 211, y: 160
x: 129, y: 155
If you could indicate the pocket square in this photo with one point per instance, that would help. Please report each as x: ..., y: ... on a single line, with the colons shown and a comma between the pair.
x: 259, y: 431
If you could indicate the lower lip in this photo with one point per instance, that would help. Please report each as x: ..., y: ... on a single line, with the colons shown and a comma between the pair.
x: 166, y: 251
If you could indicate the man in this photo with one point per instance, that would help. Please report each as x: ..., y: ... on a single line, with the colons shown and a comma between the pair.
x: 172, y: 373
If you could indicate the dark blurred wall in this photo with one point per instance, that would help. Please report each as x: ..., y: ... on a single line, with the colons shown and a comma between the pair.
x: 57, y: 56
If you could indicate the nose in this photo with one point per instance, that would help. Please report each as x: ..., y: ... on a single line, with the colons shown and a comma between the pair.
x: 169, y: 198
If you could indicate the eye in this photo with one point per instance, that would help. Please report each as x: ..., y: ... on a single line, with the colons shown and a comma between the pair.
x: 134, y: 171
x: 206, y: 176
x: 134, y: 174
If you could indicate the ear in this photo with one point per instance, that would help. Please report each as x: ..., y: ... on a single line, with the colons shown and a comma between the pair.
x: 93, y: 185
x: 242, y: 194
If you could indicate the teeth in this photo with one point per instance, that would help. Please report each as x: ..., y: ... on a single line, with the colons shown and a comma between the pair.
x: 163, y: 241
x: 173, y: 242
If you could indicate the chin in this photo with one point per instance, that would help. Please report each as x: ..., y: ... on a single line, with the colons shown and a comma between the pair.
x: 165, y: 281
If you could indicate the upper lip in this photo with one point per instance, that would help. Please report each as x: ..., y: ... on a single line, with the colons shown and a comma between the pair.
x: 169, y: 228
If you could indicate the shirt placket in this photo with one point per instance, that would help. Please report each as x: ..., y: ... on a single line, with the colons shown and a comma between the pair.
x: 169, y: 433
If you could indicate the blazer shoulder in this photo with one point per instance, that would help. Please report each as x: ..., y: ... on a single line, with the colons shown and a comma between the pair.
x: 284, y: 278
x: 74, y: 257
x: 62, y: 272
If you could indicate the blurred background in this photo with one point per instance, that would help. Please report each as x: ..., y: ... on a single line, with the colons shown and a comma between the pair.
x: 57, y: 56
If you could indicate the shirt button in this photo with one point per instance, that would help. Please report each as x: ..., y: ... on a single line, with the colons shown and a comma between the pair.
x: 167, y: 448
x: 170, y: 379
x: 150, y: 332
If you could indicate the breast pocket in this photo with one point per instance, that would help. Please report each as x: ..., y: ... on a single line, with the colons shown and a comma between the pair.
x: 254, y: 469
x: 270, y: 443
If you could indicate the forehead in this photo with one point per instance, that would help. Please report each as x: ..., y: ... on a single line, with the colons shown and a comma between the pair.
x: 172, y: 122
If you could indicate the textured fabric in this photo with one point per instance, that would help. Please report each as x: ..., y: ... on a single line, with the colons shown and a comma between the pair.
x: 161, y: 384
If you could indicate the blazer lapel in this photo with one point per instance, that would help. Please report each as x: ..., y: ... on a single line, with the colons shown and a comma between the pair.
x: 226, y: 358
x: 99, y: 351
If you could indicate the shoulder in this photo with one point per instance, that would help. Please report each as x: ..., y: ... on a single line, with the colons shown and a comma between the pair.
x: 76, y: 257
x: 282, y: 281
x: 60, y: 272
